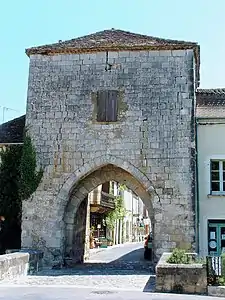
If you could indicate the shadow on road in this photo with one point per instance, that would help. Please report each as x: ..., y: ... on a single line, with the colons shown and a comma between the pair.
x: 150, y: 284
x: 132, y: 263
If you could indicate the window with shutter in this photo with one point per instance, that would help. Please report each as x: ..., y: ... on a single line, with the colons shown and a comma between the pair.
x: 107, y: 106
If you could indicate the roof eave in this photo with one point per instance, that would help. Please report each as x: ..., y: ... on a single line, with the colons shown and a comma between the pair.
x: 210, y: 118
x: 71, y: 50
x: 9, y: 143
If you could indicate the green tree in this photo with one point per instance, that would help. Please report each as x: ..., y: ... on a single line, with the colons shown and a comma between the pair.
x: 18, y: 180
x: 29, y: 176
x: 118, y: 213
x: 10, y: 202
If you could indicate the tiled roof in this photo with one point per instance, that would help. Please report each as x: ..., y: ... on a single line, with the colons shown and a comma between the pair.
x: 112, y: 39
x: 12, y: 131
x: 219, y: 91
x: 210, y: 103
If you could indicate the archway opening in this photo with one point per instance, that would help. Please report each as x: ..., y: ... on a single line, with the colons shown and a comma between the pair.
x: 90, y: 219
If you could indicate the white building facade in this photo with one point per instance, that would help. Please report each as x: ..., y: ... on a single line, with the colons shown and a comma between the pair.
x: 136, y: 221
x: 210, y: 204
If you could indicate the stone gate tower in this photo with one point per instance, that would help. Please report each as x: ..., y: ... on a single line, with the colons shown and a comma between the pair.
x: 113, y: 105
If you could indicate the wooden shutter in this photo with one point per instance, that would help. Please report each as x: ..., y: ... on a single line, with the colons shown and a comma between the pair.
x: 111, y: 106
x: 101, y: 106
x: 107, y: 106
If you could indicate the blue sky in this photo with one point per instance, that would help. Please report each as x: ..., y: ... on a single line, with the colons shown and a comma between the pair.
x: 28, y: 23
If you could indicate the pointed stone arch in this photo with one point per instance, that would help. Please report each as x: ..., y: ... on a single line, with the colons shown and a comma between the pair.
x: 106, y: 173
x: 94, y: 173
x: 96, y: 163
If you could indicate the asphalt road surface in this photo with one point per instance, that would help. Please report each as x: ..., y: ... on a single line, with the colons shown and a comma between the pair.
x: 70, y: 293
x: 115, y: 273
x: 121, y: 267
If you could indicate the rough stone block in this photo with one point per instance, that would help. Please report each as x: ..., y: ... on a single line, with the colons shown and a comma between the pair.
x: 180, y: 278
x: 150, y: 135
x: 35, y: 259
x: 13, y: 265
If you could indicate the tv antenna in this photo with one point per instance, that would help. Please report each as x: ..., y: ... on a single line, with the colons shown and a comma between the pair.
x: 4, y: 109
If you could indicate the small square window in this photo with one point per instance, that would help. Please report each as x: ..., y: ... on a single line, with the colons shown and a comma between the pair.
x: 215, y: 186
x: 214, y: 165
x: 217, y: 176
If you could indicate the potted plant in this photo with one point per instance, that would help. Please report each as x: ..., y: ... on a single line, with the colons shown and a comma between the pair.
x: 103, y: 242
x: 181, y: 272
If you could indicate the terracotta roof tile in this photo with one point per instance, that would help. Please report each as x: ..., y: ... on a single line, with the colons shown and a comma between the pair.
x: 210, y: 103
x: 112, y: 38
x: 12, y: 131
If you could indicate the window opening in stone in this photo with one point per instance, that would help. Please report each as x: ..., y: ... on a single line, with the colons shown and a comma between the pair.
x: 107, y: 106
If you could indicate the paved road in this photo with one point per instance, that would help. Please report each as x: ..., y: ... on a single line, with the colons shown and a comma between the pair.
x: 120, y: 268
x: 70, y: 293
x: 125, y: 253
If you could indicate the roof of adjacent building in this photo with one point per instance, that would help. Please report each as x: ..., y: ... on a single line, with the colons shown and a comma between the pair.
x: 210, y: 103
x: 12, y: 131
x: 113, y: 40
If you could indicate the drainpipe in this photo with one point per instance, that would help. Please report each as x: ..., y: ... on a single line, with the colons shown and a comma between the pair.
x: 197, y: 189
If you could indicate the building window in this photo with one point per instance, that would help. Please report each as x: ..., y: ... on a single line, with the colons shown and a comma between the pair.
x: 107, y: 106
x: 217, y: 176
x: 114, y: 188
x: 105, y: 187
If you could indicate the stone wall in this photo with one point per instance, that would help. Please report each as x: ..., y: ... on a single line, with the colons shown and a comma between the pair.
x: 180, y: 278
x: 216, y: 291
x: 79, y: 232
x: 153, y: 139
x: 77, y: 244
x: 13, y: 265
x: 35, y: 259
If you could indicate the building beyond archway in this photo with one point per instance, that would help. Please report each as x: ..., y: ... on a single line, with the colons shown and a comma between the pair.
x: 76, y: 246
x: 112, y: 98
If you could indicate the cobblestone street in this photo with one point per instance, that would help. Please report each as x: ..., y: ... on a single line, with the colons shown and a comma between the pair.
x: 120, y: 267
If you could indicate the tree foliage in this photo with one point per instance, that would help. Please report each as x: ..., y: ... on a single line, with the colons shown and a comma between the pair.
x: 118, y: 213
x: 10, y: 202
x: 29, y: 176
x: 18, y: 180
x: 18, y: 177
